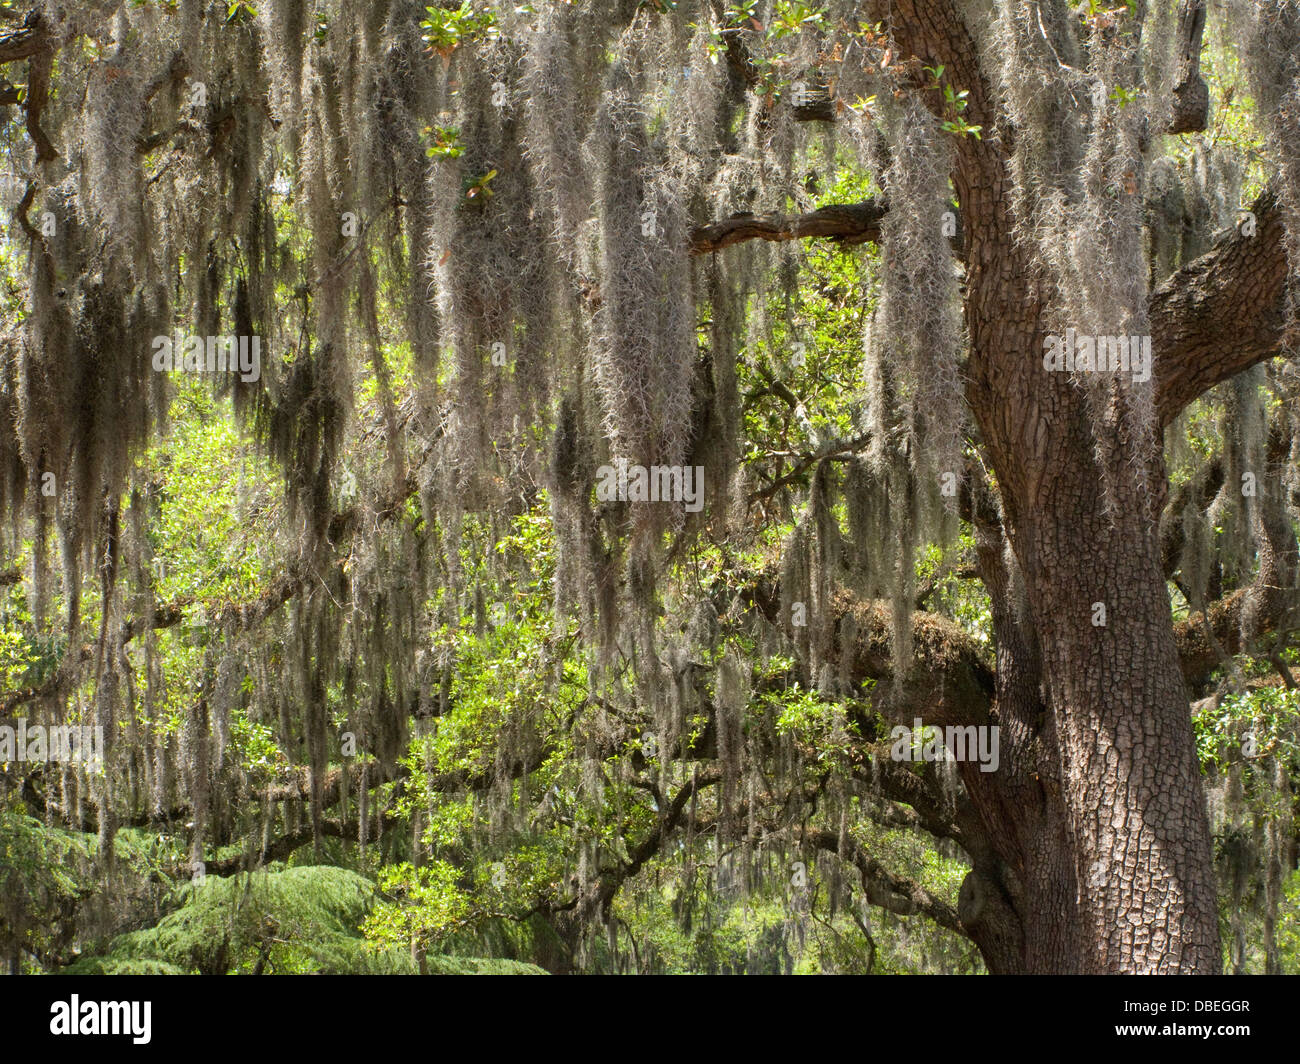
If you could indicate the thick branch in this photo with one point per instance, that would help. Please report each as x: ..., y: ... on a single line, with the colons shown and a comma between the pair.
x: 887, y: 889
x: 284, y: 846
x: 1223, y: 620
x: 24, y: 42
x: 852, y: 223
x: 1221, y: 314
x: 948, y: 681
x: 1204, y: 637
x: 32, y: 43
x: 817, y: 106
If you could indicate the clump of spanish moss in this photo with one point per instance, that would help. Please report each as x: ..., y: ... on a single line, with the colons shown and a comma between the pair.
x: 1269, y: 36
x: 1187, y: 206
x: 918, y: 326
x: 551, y: 95
x: 645, y: 344
x: 109, y: 170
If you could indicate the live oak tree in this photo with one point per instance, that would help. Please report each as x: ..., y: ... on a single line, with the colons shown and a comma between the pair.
x: 491, y: 250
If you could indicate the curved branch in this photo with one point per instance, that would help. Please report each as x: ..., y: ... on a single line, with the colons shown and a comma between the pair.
x: 32, y: 43
x: 284, y: 846
x: 888, y: 890
x: 1223, y: 313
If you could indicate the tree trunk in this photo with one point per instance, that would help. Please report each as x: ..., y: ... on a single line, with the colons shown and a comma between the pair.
x: 1129, y: 786
x: 1101, y: 819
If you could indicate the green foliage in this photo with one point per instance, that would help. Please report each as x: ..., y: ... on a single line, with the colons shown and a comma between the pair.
x: 17, y: 656
x: 122, y: 966
x: 294, y: 920
x: 1105, y: 10
x: 1122, y: 96
x: 446, y: 142
x: 447, y: 28
x: 811, y: 345
x: 955, y: 595
x: 812, y: 722
x: 955, y: 102
x: 302, y: 920
x: 47, y: 873
x: 239, y: 13
x: 1288, y: 931
x: 744, y: 13
x: 43, y: 873
x: 428, y: 904
x: 436, y: 600
x: 1257, y: 723
x: 1234, y: 128
x: 793, y: 16
x: 478, y: 186
x: 218, y: 505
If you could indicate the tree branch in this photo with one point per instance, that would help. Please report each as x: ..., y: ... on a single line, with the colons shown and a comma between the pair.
x: 1191, y: 95
x: 852, y: 223
x: 32, y: 43
x: 24, y: 42
x: 888, y: 890
x: 284, y: 846
x: 948, y: 681
x: 1223, y: 313
x: 612, y: 879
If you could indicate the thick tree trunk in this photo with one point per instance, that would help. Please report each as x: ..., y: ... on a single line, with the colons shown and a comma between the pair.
x: 1097, y: 814
x: 1129, y: 781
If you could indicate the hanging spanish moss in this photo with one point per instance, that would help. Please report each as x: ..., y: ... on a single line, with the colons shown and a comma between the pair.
x: 918, y: 318
x: 645, y: 347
